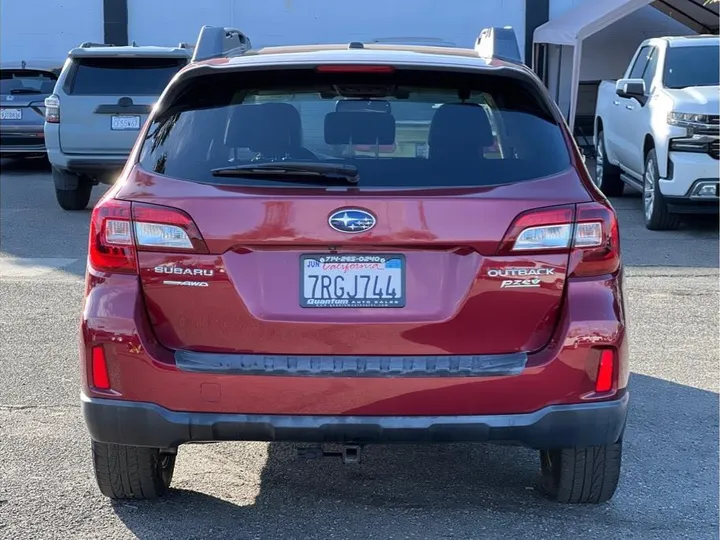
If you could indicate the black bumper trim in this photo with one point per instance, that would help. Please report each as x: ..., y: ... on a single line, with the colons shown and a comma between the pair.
x: 352, y: 366
x: 96, y: 165
x: 686, y: 205
x: 556, y: 426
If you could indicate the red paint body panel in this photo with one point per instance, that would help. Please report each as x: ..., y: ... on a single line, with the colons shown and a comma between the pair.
x: 255, y: 238
x: 563, y: 372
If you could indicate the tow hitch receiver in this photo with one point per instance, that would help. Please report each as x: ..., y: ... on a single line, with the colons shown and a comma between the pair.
x: 350, y: 453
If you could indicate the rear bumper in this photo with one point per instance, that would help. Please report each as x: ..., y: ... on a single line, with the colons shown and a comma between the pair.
x: 101, y: 167
x: 556, y: 426
x: 701, y: 198
x: 22, y: 141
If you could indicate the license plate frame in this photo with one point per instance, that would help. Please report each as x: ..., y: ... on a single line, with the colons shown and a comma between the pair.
x: 399, y: 301
x: 121, y: 122
x: 5, y: 113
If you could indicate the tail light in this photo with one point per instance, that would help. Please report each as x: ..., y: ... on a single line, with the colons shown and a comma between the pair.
x: 119, y: 229
x: 588, y: 231
x: 52, y: 109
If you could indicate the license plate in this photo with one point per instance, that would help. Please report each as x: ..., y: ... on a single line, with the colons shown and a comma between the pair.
x: 122, y: 123
x: 352, y: 281
x: 10, y: 114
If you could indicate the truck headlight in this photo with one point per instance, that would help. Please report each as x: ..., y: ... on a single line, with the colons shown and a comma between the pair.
x: 687, y: 119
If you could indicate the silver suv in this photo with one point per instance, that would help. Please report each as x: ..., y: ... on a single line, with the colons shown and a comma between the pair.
x: 101, y: 100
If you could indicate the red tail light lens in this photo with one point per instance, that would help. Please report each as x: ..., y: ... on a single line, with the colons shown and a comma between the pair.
x: 588, y: 230
x: 606, y: 371
x: 597, y: 241
x: 111, y: 246
x: 100, y: 376
x: 353, y: 68
x: 118, y: 229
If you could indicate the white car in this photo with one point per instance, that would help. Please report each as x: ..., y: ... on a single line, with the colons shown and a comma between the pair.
x: 657, y: 129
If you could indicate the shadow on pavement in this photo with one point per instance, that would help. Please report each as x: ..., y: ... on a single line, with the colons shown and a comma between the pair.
x: 669, y: 486
x: 15, y: 166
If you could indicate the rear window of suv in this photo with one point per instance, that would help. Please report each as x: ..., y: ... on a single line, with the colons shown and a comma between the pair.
x: 408, y: 129
x: 137, y: 76
x: 27, y: 81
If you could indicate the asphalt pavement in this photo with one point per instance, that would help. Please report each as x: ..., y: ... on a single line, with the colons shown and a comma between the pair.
x: 668, y: 490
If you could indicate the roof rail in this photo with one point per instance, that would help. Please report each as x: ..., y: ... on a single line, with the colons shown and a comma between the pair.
x: 498, y: 42
x: 219, y: 42
x: 89, y: 44
x: 185, y: 45
x: 427, y: 41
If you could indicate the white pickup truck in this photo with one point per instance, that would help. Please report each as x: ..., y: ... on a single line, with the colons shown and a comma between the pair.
x: 657, y: 129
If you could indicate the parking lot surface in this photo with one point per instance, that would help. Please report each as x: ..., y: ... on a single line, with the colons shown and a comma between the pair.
x: 669, y: 486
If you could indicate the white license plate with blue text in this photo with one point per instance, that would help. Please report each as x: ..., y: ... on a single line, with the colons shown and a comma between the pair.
x: 352, y: 280
x: 10, y: 114
x: 124, y: 123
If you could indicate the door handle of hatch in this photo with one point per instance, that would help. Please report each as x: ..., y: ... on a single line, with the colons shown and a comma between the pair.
x: 616, y: 102
x: 629, y: 107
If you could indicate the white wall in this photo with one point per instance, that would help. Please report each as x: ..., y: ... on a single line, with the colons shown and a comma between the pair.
x: 282, y: 22
x: 47, y: 29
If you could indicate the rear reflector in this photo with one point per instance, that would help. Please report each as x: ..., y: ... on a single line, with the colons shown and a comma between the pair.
x: 606, y: 368
x: 100, y: 377
x: 353, y: 68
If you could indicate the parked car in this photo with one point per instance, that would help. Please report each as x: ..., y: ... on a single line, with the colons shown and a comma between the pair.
x: 23, y: 89
x: 103, y: 96
x: 245, y: 284
x: 657, y: 129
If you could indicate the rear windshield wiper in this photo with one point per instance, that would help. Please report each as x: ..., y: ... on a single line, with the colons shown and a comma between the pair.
x: 25, y: 91
x: 286, y: 170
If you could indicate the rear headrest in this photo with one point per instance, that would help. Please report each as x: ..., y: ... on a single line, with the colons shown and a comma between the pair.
x: 359, y: 128
x: 265, y: 127
x: 460, y: 125
x: 47, y: 87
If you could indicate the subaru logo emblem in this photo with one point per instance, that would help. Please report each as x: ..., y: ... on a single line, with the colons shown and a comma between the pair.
x: 351, y: 220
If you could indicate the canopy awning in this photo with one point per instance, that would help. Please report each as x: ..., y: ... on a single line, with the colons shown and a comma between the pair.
x: 569, y: 30
x: 576, y: 24
x: 586, y: 19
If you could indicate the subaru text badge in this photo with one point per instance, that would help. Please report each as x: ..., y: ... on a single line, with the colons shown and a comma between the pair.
x: 351, y: 220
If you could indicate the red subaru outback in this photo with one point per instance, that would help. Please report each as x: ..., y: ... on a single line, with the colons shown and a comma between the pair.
x: 355, y: 244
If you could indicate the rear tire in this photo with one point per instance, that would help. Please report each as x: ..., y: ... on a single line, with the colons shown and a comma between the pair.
x: 76, y: 198
x: 657, y: 215
x: 607, y: 176
x: 581, y: 475
x: 132, y: 472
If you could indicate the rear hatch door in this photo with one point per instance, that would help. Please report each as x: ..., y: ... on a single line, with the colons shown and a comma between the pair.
x: 22, y: 95
x: 411, y: 260
x: 107, y: 98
